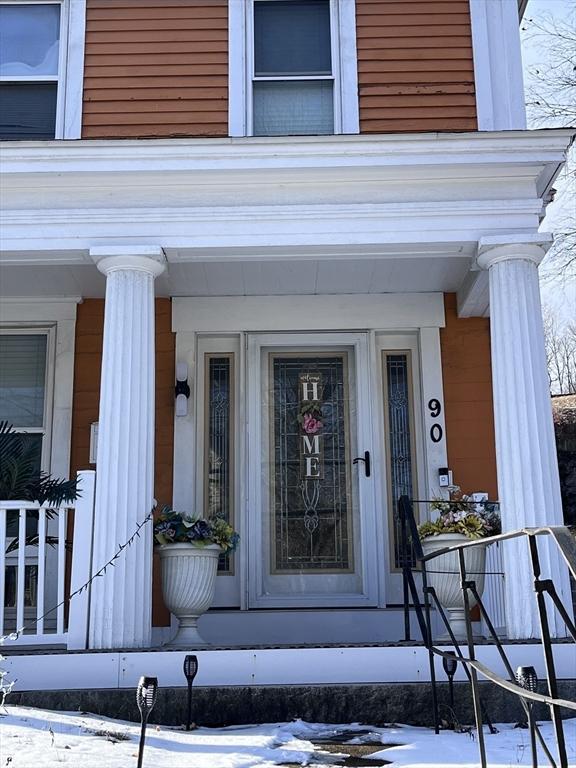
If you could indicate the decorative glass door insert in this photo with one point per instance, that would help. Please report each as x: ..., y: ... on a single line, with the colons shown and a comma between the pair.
x: 311, y: 506
x: 218, y: 460
x: 310, y: 482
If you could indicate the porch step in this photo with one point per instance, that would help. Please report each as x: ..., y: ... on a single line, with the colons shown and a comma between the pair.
x: 327, y: 665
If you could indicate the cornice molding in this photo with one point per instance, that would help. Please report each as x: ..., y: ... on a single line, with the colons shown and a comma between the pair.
x: 221, y: 155
x: 252, y: 231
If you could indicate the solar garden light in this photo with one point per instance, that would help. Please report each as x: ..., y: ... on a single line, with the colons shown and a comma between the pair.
x: 145, y: 698
x: 190, y: 671
x: 527, y: 678
x: 450, y: 664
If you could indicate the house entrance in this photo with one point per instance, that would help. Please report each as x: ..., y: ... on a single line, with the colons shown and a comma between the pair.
x: 311, y: 499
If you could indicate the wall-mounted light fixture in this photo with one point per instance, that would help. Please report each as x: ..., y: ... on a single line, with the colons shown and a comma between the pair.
x: 182, y: 389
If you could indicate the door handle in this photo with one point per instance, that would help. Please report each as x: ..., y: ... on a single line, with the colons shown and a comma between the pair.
x: 366, y: 460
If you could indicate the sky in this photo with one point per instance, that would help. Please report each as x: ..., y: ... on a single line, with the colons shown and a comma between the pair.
x: 558, y: 295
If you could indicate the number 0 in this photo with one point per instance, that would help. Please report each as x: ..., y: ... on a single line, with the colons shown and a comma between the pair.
x: 436, y: 433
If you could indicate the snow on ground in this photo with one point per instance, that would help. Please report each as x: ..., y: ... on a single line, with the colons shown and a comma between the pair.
x: 36, y: 738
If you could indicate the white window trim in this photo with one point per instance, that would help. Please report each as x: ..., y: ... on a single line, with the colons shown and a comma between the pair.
x: 47, y: 412
x: 344, y: 64
x: 70, y: 65
x: 59, y: 318
x: 498, y: 76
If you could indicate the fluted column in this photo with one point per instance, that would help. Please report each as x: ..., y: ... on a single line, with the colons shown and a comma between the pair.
x: 528, y: 481
x: 121, y: 600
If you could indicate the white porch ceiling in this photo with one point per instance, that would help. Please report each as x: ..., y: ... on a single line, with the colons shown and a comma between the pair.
x: 251, y: 278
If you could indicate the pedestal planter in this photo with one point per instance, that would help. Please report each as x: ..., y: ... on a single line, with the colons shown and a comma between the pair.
x: 188, y: 582
x: 444, y: 575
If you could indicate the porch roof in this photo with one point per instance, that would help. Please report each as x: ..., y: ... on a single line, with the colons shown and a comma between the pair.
x: 353, y: 214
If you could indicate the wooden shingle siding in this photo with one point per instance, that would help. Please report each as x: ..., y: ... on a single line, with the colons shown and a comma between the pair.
x: 415, y: 66
x: 468, y: 404
x: 156, y: 68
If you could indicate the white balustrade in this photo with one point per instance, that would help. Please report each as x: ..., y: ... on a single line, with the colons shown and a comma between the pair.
x: 37, y: 598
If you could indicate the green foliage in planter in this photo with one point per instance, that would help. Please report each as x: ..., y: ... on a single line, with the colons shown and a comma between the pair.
x: 463, y: 515
x: 172, y: 527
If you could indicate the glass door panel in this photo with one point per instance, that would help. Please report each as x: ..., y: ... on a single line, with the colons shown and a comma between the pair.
x: 310, y: 483
x: 311, y: 506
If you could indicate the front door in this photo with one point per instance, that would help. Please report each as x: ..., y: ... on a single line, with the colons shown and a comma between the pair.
x: 310, y: 500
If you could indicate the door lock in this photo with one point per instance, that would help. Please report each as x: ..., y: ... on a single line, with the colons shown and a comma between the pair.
x: 366, y: 460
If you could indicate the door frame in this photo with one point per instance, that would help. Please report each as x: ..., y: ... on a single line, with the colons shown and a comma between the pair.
x: 364, y: 438
x: 233, y: 317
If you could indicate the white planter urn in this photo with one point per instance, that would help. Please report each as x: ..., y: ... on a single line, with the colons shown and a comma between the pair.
x: 444, y: 575
x: 188, y: 583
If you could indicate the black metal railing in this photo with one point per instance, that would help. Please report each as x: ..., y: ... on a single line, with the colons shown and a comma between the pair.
x: 566, y: 545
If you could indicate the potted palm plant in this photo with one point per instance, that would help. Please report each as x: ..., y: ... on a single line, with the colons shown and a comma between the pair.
x: 460, y: 519
x: 22, y: 480
x: 189, y: 548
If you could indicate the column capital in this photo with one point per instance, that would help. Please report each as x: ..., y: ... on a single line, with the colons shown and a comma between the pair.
x: 494, y: 249
x: 137, y: 258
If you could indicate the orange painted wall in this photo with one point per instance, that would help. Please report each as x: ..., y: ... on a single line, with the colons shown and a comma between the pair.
x: 415, y: 66
x: 155, y: 68
x: 87, y: 366
x: 468, y: 407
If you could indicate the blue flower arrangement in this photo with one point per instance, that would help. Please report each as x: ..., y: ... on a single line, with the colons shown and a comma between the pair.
x: 172, y: 527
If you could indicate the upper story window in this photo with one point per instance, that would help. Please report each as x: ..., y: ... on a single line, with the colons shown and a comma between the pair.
x: 29, y: 48
x: 293, y: 68
x: 293, y: 83
x: 40, y: 83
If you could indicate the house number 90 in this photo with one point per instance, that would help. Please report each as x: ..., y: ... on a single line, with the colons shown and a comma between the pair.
x: 435, y: 408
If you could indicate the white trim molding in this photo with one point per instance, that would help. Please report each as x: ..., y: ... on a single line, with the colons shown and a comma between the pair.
x: 390, y: 311
x: 344, y: 65
x: 497, y: 65
x: 73, y: 70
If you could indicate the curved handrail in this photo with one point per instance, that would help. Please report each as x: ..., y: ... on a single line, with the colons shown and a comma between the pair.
x: 566, y: 545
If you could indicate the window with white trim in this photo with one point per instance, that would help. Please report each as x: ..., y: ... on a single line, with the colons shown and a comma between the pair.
x: 40, y: 78
x: 293, y: 68
x: 25, y: 396
x: 25, y: 403
x: 293, y: 81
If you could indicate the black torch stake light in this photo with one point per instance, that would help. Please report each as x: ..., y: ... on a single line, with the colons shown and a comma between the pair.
x: 190, y: 671
x: 527, y: 678
x: 450, y: 664
x: 145, y: 698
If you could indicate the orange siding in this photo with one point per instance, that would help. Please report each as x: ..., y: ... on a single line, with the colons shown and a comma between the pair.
x: 87, y: 365
x: 156, y: 68
x: 468, y: 406
x: 415, y: 66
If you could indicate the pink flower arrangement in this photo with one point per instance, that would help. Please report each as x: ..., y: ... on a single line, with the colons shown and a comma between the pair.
x: 311, y: 425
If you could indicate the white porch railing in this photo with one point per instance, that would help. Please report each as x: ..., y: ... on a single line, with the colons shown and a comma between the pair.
x: 33, y: 575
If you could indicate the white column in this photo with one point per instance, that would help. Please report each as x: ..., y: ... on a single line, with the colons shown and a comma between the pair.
x: 528, y: 482
x: 121, y: 600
